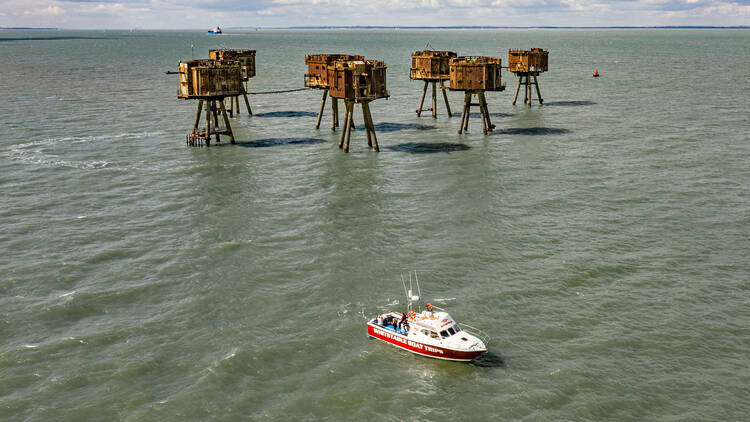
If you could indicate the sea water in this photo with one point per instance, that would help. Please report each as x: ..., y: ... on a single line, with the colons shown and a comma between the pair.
x: 601, y: 239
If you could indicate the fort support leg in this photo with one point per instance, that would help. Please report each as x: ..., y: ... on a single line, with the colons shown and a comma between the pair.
x: 528, y: 87
x: 208, y: 123
x: 350, y: 115
x: 191, y: 138
x: 464, y: 113
x: 368, y: 122
x: 518, y: 88
x: 226, y: 119
x: 483, y: 105
x: 335, y: 111
x: 322, y: 107
x: 197, y: 120
x: 538, y: 94
x: 445, y: 97
x: 421, y: 101
x: 434, y: 100
x: 346, y: 125
x: 487, y: 113
x: 468, y: 109
x: 216, y: 120
x: 247, y: 102
x: 482, y: 112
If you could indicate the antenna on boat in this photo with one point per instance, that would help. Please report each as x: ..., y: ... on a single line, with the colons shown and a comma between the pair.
x: 404, y: 283
x: 410, y: 298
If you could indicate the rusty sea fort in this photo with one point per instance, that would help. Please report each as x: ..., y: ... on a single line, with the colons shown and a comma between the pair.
x: 601, y: 239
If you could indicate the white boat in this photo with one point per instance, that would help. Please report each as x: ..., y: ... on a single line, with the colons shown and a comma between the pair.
x: 432, y: 332
x: 216, y: 30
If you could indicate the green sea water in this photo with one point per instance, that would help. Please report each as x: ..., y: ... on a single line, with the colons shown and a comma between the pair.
x: 600, y: 239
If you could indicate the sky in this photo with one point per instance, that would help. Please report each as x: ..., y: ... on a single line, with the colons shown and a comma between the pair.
x: 203, y: 14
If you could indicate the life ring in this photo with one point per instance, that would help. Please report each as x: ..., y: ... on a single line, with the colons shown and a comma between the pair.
x: 412, y: 314
x: 429, y: 307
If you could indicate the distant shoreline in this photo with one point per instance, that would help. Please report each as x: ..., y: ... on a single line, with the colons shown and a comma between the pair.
x: 503, y: 27
x: 24, y: 28
x: 261, y: 28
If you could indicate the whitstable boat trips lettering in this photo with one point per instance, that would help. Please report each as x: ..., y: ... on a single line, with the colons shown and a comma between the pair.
x: 407, y: 342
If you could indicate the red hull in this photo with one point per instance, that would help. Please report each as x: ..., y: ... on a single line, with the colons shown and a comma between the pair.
x: 436, y: 352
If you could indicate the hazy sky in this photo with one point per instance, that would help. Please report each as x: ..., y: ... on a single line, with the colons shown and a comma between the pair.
x: 203, y: 14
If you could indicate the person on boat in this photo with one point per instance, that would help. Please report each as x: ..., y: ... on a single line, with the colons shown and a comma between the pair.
x: 380, y: 320
x: 390, y: 320
x: 402, y: 323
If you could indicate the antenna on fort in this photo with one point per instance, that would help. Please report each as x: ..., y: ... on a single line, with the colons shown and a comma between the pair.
x: 474, y: 76
x: 432, y: 67
x: 527, y: 64
x: 192, y: 48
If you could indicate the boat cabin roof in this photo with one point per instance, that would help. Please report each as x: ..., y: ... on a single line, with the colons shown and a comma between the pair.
x: 436, y: 321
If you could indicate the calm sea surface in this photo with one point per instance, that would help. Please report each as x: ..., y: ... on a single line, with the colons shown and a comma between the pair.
x: 601, y: 239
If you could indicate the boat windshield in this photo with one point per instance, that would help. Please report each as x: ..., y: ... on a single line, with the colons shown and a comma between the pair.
x: 450, y: 331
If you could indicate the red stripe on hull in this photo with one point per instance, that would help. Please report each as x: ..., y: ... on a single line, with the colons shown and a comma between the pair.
x: 403, y: 342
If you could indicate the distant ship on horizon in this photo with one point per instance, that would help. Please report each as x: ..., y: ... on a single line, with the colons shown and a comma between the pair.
x: 216, y: 30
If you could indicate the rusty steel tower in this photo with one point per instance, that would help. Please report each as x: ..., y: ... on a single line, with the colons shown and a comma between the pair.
x: 432, y: 67
x: 209, y: 82
x: 527, y: 64
x: 475, y: 75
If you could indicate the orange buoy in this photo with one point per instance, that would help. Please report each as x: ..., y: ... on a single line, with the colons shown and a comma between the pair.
x: 596, y: 73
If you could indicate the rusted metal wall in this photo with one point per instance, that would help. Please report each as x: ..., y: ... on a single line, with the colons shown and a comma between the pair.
x: 245, y: 58
x: 358, y: 80
x: 317, y: 68
x: 534, y: 60
x: 209, y: 79
x: 431, y: 65
x: 476, y: 74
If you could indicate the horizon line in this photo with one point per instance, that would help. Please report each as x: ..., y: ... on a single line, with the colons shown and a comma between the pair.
x: 399, y: 27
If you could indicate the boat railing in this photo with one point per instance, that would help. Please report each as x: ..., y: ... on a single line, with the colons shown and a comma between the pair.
x: 476, y: 332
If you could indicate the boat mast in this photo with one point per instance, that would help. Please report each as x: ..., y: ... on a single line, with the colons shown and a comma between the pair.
x: 410, y: 298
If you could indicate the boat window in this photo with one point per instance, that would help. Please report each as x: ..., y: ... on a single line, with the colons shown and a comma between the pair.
x: 423, y: 331
x: 451, y: 331
x: 457, y: 328
x: 434, y: 335
x: 444, y: 334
